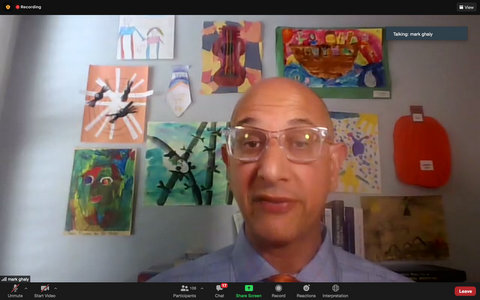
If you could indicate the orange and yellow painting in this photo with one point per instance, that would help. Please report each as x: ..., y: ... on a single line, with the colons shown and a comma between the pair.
x: 232, y: 56
x: 115, y: 104
x: 335, y: 62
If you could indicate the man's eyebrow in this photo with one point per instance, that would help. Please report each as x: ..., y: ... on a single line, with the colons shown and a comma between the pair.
x: 247, y: 120
x: 301, y: 121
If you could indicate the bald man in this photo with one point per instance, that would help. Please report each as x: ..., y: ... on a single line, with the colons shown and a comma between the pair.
x: 281, y: 164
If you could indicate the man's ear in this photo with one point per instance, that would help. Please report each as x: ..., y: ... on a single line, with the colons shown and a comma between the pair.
x: 225, y: 154
x: 338, y: 154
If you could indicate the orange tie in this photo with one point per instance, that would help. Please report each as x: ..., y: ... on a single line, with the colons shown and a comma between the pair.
x: 281, y: 278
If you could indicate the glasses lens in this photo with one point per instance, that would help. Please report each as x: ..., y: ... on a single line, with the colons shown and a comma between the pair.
x: 303, y: 144
x: 246, y: 143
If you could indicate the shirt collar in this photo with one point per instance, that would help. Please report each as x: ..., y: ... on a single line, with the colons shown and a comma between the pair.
x: 249, y: 266
x: 324, y: 265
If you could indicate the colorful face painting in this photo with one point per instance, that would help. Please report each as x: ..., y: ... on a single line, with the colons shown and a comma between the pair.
x: 404, y: 228
x: 335, y: 63
x: 101, y: 192
x: 115, y: 106
x: 146, y: 37
x: 361, y: 170
x: 184, y: 164
x: 232, y: 56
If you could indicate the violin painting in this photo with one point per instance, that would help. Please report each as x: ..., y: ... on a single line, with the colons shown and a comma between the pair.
x: 232, y: 56
x: 228, y: 48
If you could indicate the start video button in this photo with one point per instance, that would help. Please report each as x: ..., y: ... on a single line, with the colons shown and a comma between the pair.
x: 465, y: 291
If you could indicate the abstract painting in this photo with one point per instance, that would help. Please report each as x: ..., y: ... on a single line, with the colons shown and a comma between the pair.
x: 335, y: 63
x: 115, y: 106
x: 360, y: 172
x: 101, y: 192
x: 404, y: 228
x: 232, y: 56
x: 184, y: 164
x: 146, y: 37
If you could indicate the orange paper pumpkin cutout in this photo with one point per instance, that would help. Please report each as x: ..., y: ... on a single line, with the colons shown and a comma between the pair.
x: 421, y: 152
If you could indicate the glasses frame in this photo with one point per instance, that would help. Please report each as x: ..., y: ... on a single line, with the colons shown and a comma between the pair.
x: 322, y: 132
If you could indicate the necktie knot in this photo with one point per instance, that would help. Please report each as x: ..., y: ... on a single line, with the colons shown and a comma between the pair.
x: 281, y: 278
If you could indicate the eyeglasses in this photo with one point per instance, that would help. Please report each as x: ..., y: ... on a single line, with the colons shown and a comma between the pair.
x: 300, y: 144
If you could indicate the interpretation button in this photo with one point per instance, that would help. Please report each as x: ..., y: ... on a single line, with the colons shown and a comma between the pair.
x: 465, y: 291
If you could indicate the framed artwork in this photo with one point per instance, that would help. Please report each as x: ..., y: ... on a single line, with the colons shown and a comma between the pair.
x: 146, y: 37
x: 335, y: 62
x: 184, y: 164
x: 231, y: 56
x: 360, y: 172
x: 101, y: 192
x: 404, y: 228
x: 115, y: 104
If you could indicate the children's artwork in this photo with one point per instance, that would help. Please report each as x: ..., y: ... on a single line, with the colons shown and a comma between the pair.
x: 101, y: 192
x: 404, y: 228
x: 146, y: 37
x: 360, y: 172
x: 115, y: 104
x: 335, y: 63
x: 178, y: 96
x: 184, y: 164
x: 232, y: 56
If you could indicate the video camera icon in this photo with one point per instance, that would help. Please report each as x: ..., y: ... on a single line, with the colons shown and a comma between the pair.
x: 44, y: 288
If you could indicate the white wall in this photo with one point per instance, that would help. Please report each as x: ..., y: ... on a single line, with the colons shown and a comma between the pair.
x: 42, y: 119
x: 8, y: 30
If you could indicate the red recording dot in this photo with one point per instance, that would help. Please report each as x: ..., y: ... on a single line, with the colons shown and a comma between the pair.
x: 17, y: 6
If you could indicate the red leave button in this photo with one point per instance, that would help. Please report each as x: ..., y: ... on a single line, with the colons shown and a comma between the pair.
x: 465, y: 291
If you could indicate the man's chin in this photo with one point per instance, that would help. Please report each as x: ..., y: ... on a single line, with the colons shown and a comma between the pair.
x: 276, y: 235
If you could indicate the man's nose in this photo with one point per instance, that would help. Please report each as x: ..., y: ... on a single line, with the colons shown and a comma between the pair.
x: 273, y: 163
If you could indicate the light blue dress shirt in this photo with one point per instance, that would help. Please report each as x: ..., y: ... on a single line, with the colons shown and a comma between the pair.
x: 241, y: 263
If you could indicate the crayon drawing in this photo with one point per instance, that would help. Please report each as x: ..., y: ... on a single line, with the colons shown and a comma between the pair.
x: 146, y: 37
x: 404, y: 228
x: 337, y: 63
x: 232, y: 56
x: 184, y: 164
x: 101, y: 192
x: 115, y: 106
x: 361, y: 170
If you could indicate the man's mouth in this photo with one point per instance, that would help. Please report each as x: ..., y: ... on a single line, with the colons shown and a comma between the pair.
x: 275, y: 204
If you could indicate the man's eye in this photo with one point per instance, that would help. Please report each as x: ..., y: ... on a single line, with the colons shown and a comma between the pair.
x: 106, y: 180
x: 88, y: 180
x: 301, y: 144
x: 251, y: 144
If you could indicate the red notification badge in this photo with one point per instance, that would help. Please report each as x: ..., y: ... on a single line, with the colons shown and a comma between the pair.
x: 224, y: 285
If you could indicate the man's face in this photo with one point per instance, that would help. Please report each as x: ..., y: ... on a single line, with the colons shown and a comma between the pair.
x: 281, y: 200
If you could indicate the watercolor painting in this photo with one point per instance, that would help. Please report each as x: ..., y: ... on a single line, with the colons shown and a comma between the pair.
x: 335, y: 63
x: 146, y: 37
x: 101, y: 192
x: 184, y: 164
x: 361, y: 170
x: 231, y: 55
x: 115, y: 104
x: 404, y: 228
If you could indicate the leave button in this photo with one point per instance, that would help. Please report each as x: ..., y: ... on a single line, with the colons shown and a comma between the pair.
x: 465, y: 291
